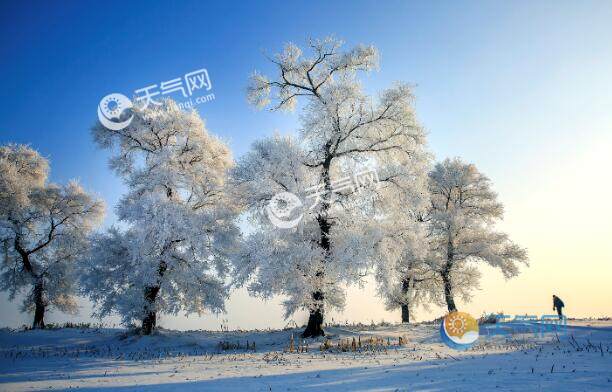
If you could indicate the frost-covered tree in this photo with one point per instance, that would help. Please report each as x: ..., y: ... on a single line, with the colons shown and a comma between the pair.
x: 405, y: 275
x: 462, y: 216
x: 343, y: 130
x: 43, y: 231
x: 178, y: 220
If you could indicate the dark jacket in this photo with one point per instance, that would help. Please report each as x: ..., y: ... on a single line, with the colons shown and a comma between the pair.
x: 557, y: 303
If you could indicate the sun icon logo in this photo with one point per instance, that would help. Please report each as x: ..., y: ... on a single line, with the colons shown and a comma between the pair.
x: 459, y: 330
x: 113, y: 106
x: 110, y: 109
x: 457, y: 323
x: 285, y: 210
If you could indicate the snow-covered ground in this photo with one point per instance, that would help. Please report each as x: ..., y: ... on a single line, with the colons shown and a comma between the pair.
x: 577, y: 359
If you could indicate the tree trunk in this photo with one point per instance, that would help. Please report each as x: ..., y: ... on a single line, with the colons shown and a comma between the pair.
x: 150, y: 319
x: 405, y: 308
x: 39, y: 303
x: 39, y: 288
x: 405, y: 314
x: 315, y: 320
x: 149, y: 322
x: 448, y: 289
x: 448, y: 292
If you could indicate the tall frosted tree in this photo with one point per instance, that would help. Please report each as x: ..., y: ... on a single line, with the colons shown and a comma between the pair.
x: 44, y: 230
x: 178, y: 230
x: 462, y: 216
x: 342, y: 131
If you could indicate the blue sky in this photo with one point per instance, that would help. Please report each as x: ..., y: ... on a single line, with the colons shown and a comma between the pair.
x: 523, y: 89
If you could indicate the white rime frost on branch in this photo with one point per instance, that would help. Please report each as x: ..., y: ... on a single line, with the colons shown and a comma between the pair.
x: 343, y: 130
x: 178, y: 234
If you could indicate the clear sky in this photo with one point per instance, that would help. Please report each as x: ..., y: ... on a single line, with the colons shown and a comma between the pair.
x: 522, y: 89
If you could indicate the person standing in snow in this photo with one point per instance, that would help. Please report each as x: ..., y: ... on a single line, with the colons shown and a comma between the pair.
x: 558, y: 305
